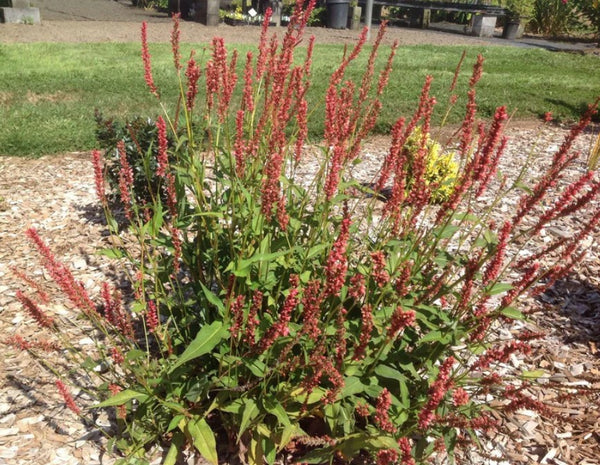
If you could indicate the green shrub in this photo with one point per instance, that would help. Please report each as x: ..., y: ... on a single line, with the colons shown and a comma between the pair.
x: 553, y: 17
x: 277, y: 313
x: 137, y: 137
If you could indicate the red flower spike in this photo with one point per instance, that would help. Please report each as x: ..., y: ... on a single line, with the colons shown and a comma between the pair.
x: 400, y: 319
x: 162, y: 158
x: 192, y: 74
x: 20, y: 343
x: 494, y: 266
x: 69, y: 401
x: 362, y: 410
x: 460, y: 397
x: 387, y: 457
x: 403, y: 281
x: 31, y: 283
x: 99, y: 175
x: 500, y: 354
x: 281, y: 327
x: 382, y: 418
x: 252, y: 321
x: 116, y: 355
x: 406, y: 450
x: 62, y: 276
x: 247, y: 98
x: 152, y: 319
x: 239, y: 146
x: 237, y: 316
x: 357, y: 289
x: 311, y: 303
x: 379, y: 273
x: 146, y: 59
x: 366, y: 329
x: 438, y: 389
x: 337, y: 262
x: 175, y: 37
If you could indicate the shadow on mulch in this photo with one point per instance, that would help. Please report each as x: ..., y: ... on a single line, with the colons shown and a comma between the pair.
x: 579, y: 301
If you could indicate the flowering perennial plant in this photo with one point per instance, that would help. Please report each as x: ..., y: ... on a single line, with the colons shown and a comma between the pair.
x: 275, y: 313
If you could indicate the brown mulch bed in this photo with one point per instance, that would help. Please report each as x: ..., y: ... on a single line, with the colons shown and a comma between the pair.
x: 56, y: 195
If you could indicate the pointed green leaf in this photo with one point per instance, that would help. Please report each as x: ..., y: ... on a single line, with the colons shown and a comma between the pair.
x: 111, y: 252
x: 275, y: 408
x: 533, y: 374
x: 173, y: 454
x: 122, y: 398
x: 255, y: 452
x: 206, y: 340
x: 204, y: 439
x: 213, y: 299
x: 513, y: 313
x: 250, y: 413
x: 499, y: 288
x: 388, y: 372
x: 352, y: 385
x: 286, y: 436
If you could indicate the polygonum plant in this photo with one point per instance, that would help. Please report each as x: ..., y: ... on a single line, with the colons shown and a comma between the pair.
x: 275, y: 313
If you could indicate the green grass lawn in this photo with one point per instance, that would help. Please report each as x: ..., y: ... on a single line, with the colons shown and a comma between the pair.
x: 48, y: 92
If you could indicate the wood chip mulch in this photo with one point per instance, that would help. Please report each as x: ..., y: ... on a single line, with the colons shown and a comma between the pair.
x: 56, y: 195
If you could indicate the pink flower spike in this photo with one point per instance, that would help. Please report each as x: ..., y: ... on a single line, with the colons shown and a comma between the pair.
x: 162, y: 157
x: 382, y: 418
x: 192, y: 73
x: 437, y: 391
x: 151, y: 316
x: 69, y: 401
x: 146, y: 59
x: 99, y: 176
x: 405, y: 448
x: 36, y: 312
x: 175, y: 35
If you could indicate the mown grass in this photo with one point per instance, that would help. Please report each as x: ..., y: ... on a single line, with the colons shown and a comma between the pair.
x: 48, y: 92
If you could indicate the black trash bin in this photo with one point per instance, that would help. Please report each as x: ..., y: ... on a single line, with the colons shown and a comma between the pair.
x: 337, y: 14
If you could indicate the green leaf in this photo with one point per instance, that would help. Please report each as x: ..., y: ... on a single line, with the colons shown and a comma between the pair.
x: 204, y: 439
x: 255, y: 452
x: 352, y: 385
x: 250, y: 413
x: 317, y: 249
x: 286, y: 436
x: 512, y: 313
x: 174, y: 423
x: 206, y: 340
x: 434, y: 336
x: 275, y: 408
x: 213, y: 299
x: 499, y: 288
x: 122, y: 398
x: 173, y: 454
x: 262, y: 257
x: 533, y: 374
x: 447, y: 232
x: 157, y: 221
x: 134, y: 354
x: 257, y: 367
x: 388, y: 372
x: 111, y: 252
